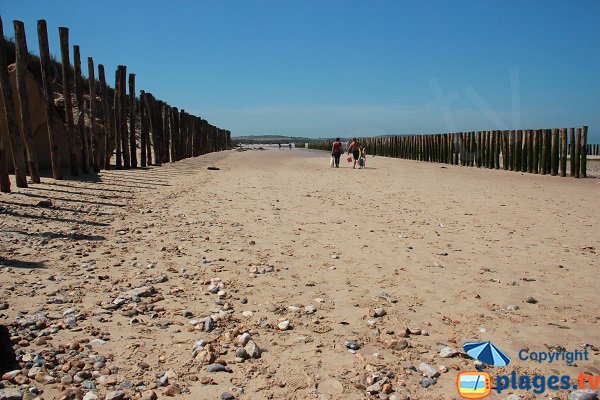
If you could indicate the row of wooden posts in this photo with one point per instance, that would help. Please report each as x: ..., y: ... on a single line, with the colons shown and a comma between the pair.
x: 166, y: 133
x: 539, y: 151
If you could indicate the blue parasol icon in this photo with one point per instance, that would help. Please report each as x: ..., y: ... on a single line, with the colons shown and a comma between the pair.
x: 487, y: 353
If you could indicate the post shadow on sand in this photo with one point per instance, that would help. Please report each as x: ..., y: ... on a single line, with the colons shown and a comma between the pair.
x: 80, y: 193
x: 99, y: 203
x: 57, y: 219
x: 8, y: 358
x: 54, y: 235
x: 7, y: 262
x: 54, y: 207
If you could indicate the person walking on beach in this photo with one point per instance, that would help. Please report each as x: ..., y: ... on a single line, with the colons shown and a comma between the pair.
x: 336, y: 151
x: 354, y: 147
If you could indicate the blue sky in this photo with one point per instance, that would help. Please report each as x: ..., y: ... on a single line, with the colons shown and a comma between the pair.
x: 329, y: 68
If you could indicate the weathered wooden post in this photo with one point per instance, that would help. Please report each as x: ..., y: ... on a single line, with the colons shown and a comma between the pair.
x: 543, y: 158
x: 107, y: 115
x: 132, y: 118
x: 22, y: 58
x: 563, y: 152
x: 93, y: 129
x: 48, y: 93
x: 524, y: 151
x: 583, y: 162
x: 518, y: 148
x: 572, y: 150
x: 554, y: 153
x: 143, y: 130
x: 66, y: 78
x: 79, y: 125
x: 4, y: 178
x: 123, y: 105
x: 576, y: 156
x: 118, y: 116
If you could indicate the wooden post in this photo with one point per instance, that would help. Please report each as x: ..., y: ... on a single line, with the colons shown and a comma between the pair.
x: 554, y: 153
x: 572, y: 150
x: 66, y: 78
x: 123, y: 105
x: 4, y: 178
x: 48, y: 93
x: 498, y: 145
x: 13, y: 136
x: 81, y: 133
x: 22, y: 57
x: 563, y: 152
x: 132, y: 142
x: 543, y: 158
x: 108, y: 115
x: 518, y: 147
x: 143, y: 130
x: 524, y: 150
x: 118, y: 115
x: 576, y: 156
x: 93, y: 130
x: 583, y: 160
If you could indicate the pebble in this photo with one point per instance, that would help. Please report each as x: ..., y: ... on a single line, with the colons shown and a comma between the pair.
x: 283, y: 325
x: 353, y: 345
x: 11, y: 394
x: 512, y: 307
x: 428, y: 371
x: 449, y: 352
x: 426, y: 382
x: 90, y: 396
x: 531, y: 300
x: 252, y: 349
x: 115, y: 395
x: 242, y: 353
x: 227, y: 396
x: 215, y: 367
x: 244, y: 338
x: 310, y: 309
x: 377, y: 312
x: 149, y: 395
x: 585, y: 394
x: 397, y: 345
x: 172, y: 390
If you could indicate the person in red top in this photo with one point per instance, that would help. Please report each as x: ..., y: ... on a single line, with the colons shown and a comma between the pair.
x: 336, y: 151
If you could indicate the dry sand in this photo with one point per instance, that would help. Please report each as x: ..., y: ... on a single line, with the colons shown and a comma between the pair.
x: 441, y: 249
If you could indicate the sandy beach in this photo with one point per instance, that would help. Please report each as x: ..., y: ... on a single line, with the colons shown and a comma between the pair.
x: 115, y: 279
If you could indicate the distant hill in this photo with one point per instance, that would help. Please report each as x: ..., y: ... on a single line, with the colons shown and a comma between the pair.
x: 269, y: 139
